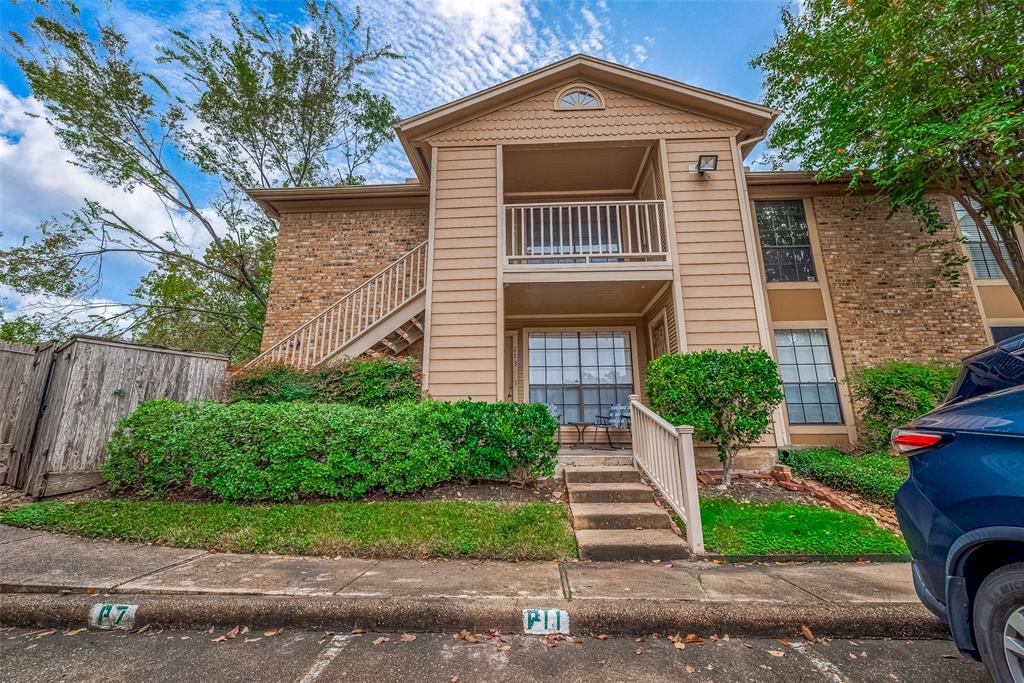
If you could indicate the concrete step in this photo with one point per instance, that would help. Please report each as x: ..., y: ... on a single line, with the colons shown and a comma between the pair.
x: 619, y: 516
x: 595, y: 460
x: 624, y: 545
x: 602, y: 475
x: 610, y: 493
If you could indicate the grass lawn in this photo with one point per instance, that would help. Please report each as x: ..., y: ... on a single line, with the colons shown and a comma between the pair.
x: 877, y: 477
x: 733, y: 528
x: 400, y: 529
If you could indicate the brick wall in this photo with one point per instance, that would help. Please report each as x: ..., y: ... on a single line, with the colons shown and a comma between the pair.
x: 883, y: 308
x: 321, y: 257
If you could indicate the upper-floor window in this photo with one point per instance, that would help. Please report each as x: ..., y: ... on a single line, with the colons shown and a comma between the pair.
x: 785, y: 241
x: 983, y: 262
x: 579, y: 98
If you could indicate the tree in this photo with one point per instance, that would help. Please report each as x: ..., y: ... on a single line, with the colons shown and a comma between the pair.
x: 910, y: 97
x: 728, y: 397
x: 263, y: 108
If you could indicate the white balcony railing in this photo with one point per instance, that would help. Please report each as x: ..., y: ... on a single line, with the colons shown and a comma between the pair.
x: 665, y: 455
x: 586, y: 232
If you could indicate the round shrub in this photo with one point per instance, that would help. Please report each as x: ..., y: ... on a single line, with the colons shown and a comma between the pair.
x: 891, y: 395
x: 726, y: 396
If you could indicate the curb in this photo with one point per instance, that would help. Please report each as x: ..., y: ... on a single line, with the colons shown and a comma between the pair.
x: 610, y: 616
x: 882, y: 558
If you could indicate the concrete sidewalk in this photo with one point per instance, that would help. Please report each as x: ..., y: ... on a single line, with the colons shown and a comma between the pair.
x: 52, y: 580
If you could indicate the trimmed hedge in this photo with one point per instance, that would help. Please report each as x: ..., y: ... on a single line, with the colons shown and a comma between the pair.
x: 286, y: 451
x: 369, y: 382
x: 890, y: 395
x: 877, y: 476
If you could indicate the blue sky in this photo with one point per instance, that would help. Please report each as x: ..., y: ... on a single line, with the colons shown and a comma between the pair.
x: 452, y: 48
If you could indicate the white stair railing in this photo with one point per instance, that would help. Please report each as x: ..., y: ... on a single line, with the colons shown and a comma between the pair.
x: 586, y: 232
x: 665, y: 454
x: 354, y: 314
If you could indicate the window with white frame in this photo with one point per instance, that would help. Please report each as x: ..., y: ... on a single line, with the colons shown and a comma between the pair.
x: 580, y: 375
x: 983, y: 262
x: 808, y: 377
x: 785, y: 241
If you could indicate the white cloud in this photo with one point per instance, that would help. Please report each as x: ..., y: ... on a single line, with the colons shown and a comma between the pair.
x: 39, y: 180
x: 77, y: 312
x: 453, y: 48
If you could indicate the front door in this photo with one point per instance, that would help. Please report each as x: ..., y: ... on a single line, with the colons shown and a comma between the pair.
x: 581, y: 374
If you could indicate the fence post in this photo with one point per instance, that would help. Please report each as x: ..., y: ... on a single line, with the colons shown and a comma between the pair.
x: 633, y: 400
x: 691, y: 500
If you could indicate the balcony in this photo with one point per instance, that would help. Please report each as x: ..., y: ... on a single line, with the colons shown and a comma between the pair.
x: 578, y: 237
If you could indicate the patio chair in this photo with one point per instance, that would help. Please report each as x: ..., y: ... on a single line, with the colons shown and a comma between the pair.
x: 618, y: 418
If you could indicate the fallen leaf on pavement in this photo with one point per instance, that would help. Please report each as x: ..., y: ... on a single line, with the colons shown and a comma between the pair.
x: 726, y: 637
x: 639, y: 651
x: 75, y: 632
x: 185, y: 637
x: 382, y: 639
x: 220, y: 639
x: 270, y: 634
x: 693, y: 638
x: 142, y: 629
x: 245, y: 629
x: 233, y: 633
x: 466, y: 636
x: 679, y: 645
x: 455, y: 678
x: 689, y: 669
x: 358, y: 631
x: 782, y: 641
x: 600, y: 636
x: 807, y: 633
x: 776, y: 653
x: 253, y: 640
x: 408, y: 637
x: 950, y: 656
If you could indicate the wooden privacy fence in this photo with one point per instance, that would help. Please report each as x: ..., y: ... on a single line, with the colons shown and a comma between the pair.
x: 665, y: 454
x: 72, y: 395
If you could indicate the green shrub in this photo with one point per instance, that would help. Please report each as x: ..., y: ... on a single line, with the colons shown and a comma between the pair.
x: 894, y: 394
x: 727, y: 396
x: 367, y: 382
x: 876, y: 476
x: 284, y: 451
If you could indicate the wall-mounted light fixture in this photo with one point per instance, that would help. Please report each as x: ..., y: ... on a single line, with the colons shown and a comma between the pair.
x: 706, y: 163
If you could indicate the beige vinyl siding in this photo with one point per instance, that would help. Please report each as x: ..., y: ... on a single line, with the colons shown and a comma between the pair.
x: 535, y: 119
x: 714, y: 271
x: 463, y: 319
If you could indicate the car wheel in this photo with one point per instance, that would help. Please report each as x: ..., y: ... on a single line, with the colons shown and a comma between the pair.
x: 999, y: 623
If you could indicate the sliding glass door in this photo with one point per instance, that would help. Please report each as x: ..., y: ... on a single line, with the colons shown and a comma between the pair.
x: 580, y: 374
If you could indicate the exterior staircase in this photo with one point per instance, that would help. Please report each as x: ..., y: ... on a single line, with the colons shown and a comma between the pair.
x: 383, y: 314
x: 616, y: 518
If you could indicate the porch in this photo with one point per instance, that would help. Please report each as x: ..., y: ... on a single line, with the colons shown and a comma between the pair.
x: 582, y: 348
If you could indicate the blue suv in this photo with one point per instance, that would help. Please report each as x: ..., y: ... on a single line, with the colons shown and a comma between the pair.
x: 962, y: 509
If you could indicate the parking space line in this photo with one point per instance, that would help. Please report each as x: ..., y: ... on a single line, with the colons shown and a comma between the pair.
x: 825, y: 667
x: 326, y: 656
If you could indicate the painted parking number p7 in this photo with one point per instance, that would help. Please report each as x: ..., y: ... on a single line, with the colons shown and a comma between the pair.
x: 110, y: 616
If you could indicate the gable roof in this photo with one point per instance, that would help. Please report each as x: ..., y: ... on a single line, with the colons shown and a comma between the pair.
x: 753, y: 119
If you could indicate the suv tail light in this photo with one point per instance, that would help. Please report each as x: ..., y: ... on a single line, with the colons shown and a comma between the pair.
x: 906, y: 441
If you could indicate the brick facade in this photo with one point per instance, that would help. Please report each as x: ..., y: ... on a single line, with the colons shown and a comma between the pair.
x: 883, y: 308
x: 321, y: 257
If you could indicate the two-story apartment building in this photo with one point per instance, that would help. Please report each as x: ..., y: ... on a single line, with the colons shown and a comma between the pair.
x: 569, y: 225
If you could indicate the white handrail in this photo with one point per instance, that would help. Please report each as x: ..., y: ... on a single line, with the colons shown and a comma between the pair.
x: 665, y: 454
x: 586, y: 232
x: 336, y: 326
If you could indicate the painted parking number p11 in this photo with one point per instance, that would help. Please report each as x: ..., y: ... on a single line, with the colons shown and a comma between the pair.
x: 541, y: 621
